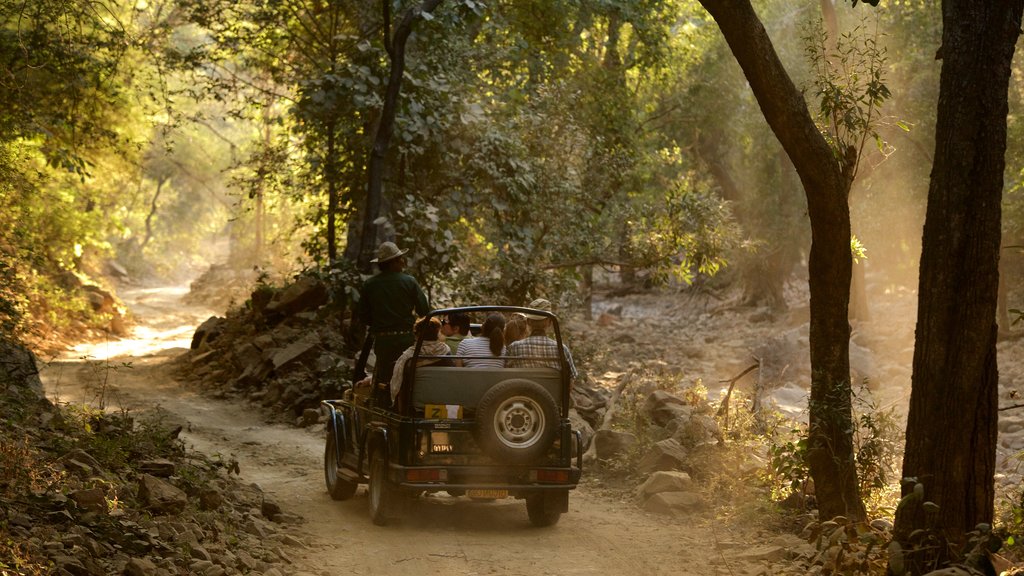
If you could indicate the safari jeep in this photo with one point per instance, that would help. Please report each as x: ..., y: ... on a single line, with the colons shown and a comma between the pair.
x: 487, y: 433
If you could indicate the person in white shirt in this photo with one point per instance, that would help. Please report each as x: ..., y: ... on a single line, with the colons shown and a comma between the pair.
x: 486, y: 349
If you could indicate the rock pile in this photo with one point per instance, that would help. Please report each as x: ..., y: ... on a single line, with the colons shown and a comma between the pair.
x: 283, y: 349
x: 91, y: 494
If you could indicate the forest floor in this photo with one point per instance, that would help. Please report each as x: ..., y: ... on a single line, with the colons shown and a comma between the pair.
x: 697, y: 340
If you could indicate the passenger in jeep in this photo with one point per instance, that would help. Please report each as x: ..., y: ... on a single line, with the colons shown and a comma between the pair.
x: 430, y: 330
x: 490, y: 342
x: 537, y: 344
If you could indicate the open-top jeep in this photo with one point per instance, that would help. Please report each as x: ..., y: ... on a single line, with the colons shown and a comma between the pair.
x: 481, y: 432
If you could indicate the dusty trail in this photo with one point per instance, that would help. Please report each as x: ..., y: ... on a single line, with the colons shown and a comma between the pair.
x: 439, y: 535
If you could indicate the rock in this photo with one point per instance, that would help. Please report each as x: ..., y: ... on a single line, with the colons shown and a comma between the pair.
x: 160, y: 496
x: 309, y: 417
x: 664, y: 455
x: 140, y: 567
x: 662, y: 407
x: 101, y: 301
x: 579, y: 423
x: 18, y: 368
x: 208, y: 331
x: 295, y: 351
x: 91, y: 500
x: 307, y: 293
x: 765, y: 552
x: 210, y: 499
x: 664, y: 481
x: 695, y: 430
x: 609, y: 444
x: 270, y: 509
x: 674, y: 503
x: 160, y: 467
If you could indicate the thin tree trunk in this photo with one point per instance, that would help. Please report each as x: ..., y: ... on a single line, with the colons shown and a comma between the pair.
x: 385, y: 127
x: 152, y: 212
x: 826, y: 184
x: 330, y: 166
x: 951, y: 426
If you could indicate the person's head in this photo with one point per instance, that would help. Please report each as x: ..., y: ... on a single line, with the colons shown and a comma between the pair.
x: 427, y: 328
x: 456, y: 323
x: 494, y: 330
x: 390, y: 257
x: 515, y: 328
x: 538, y: 323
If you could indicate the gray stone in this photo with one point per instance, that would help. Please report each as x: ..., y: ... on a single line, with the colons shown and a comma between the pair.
x: 764, y: 552
x: 664, y: 455
x: 609, y: 444
x: 296, y: 351
x: 307, y: 293
x: 579, y: 423
x: 674, y: 503
x: 208, y: 331
x: 210, y: 499
x: 662, y: 407
x: 140, y: 567
x: 665, y: 481
x: 160, y: 496
x: 159, y: 467
x: 91, y: 500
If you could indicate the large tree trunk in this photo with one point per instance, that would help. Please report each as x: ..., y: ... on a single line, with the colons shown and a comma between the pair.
x: 951, y: 427
x: 386, y: 126
x: 826, y: 183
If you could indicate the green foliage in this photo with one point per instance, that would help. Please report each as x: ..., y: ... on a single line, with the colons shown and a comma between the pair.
x: 787, y: 461
x: 850, y: 88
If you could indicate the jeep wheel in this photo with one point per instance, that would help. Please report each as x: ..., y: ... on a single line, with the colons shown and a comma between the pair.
x: 539, y: 516
x: 338, y: 487
x: 382, y: 495
x: 516, y: 421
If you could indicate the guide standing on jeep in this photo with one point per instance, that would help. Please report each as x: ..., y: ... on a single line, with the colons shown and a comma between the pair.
x: 389, y: 304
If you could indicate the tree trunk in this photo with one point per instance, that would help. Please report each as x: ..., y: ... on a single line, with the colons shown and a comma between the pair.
x: 152, y: 212
x: 826, y: 184
x: 859, y: 309
x: 330, y: 166
x: 385, y: 128
x: 951, y: 426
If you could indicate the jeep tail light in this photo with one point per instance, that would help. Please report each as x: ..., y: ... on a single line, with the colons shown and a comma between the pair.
x: 426, y: 475
x: 541, y: 475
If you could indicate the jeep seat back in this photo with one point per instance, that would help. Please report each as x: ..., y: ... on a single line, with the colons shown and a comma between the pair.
x: 465, y: 386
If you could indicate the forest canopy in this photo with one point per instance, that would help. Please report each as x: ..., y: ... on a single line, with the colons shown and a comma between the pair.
x: 533, y: 143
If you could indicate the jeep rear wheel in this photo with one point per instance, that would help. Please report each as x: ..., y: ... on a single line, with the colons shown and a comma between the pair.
x: 516, y: 421
x: 540, y: 514
x: 339, y: 488
x: 381, y: 494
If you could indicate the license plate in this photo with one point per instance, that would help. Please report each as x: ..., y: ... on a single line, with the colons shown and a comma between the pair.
x: 442, y: 411
x: 487, y: 494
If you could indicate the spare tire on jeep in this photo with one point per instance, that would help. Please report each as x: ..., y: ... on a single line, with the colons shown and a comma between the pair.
x: 516, y: 421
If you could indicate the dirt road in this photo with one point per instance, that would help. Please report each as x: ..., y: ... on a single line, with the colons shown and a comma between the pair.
x: 440, y: 535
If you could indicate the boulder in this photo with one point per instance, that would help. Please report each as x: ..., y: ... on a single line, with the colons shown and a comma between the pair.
x: 208, y: 331
x: 18, y: 368
x: 609, y: 444
x: 296, y: 351
x: 579, y: 423
x: 161, y: 497
x: 90, y: 500
x: 159, y: 467
x: 307, y: 293
x: 674, y: 503
x: 664, y: 455
x: 664, y: 481
x: 662, y: 407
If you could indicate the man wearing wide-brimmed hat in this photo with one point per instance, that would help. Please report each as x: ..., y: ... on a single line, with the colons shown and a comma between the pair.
x: 531, y: 351
x: 389, y: 304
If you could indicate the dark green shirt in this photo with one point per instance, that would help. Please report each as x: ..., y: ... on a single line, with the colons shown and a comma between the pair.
x: 390, y: 302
